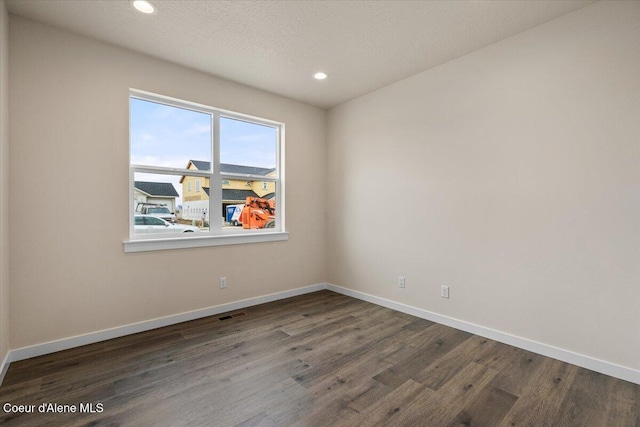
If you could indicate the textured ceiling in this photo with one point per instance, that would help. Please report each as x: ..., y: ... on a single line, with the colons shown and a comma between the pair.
x: 278, y: 45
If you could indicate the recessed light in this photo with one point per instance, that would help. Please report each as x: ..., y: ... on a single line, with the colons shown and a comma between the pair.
x: 144, y: 6
x: 320, y: 76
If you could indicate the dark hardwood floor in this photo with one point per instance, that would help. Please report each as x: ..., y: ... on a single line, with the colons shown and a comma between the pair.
x: 316, y: 360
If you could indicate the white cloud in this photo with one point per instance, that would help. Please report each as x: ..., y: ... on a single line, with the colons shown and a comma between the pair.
x: 197, y: 130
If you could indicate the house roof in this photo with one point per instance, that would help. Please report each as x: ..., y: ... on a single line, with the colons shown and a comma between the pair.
x: 237, y: 195
x: 229, y: 168
x: 162, y: 189
x: 200, y: 165
x: 230, y: 194
x: 249, y: 170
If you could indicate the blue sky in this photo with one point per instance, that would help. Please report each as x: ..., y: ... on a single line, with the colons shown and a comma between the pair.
x: 162, y: 135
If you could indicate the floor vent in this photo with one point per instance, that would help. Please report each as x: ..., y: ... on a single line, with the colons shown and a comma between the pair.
x: 231, y: 316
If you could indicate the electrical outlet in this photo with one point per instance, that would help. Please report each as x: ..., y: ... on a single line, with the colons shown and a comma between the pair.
x: 444, y: 291
x: 223, y: 283
x: 400, y: 282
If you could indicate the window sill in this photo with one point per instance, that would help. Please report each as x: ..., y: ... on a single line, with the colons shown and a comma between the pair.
x: 200, y: 242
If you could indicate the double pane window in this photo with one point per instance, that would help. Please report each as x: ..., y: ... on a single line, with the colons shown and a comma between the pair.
x: 201, y: 171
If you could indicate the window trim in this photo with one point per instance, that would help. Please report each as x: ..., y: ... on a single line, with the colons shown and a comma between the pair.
x: 216, y: 235
x: 165, y: 243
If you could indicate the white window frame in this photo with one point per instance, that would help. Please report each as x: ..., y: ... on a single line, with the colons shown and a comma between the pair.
x: 217, y: 235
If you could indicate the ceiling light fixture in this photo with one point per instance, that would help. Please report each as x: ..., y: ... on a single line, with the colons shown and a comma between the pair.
x: 320, y: 76
x: 144, y: 6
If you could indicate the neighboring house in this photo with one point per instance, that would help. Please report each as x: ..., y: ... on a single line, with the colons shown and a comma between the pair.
x: 195, y: 190
x: 161, y: 193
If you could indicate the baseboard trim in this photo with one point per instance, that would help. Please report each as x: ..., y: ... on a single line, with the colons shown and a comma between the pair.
x: 106, y: 334
x: 601, y: 366
x: 5, y: 366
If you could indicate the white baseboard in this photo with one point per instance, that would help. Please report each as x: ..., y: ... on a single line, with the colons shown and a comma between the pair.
x: 607, y: 368
x: 4, y: 367
x: 93, y: 337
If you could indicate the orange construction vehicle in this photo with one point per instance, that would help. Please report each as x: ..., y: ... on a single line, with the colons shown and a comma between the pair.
x: 258, y: 213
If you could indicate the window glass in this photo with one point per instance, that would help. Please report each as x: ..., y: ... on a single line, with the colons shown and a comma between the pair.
x: 181, y: 186
x: 252, y: 207
x: 149, y: 220
x: 167, y: 136
x: 250, y: 146
x: 158, y: 211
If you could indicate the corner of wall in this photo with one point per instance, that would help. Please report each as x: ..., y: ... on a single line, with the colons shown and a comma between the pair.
x: 326, y: 195
x: 4, y: 190
x: 516, y: 174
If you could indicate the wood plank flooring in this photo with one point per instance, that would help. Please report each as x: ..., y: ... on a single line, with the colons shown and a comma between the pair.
x: 321, y: 359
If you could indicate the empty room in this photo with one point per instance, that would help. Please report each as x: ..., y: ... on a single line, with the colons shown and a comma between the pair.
x: 320, y: 213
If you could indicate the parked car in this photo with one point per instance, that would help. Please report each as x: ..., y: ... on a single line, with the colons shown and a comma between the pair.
x: 156, y: 210
x: 145, y: 224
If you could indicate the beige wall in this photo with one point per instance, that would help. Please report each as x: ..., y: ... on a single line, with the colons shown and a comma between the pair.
x: 511, y: 175
x: 234, y: 184
x: 190, y: 195
x: 69, y: 116
x: 4, y: 181
x: 196, y: 193
x: 257, y: 188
